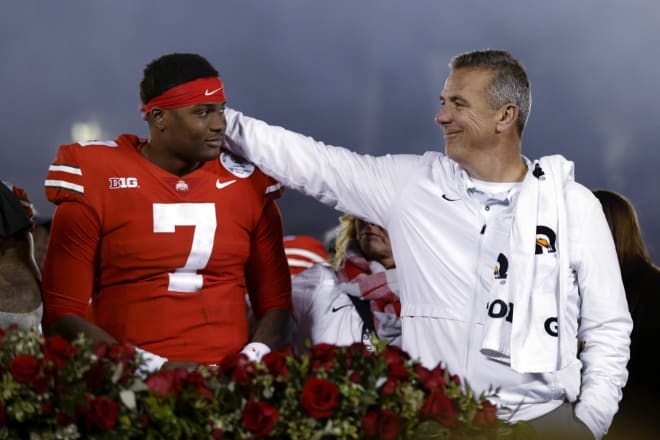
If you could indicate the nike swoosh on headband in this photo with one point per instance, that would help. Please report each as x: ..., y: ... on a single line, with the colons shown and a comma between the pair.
x: 212, y: 92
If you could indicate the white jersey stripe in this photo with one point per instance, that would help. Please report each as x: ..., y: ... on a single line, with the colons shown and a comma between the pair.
x: 294, y: 262
x: 49, y: 183
x: 304, y: 253
x: 273, y: 188
x: 66, y: 169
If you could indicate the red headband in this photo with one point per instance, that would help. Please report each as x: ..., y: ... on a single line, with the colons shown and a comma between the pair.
x: 199, y: 91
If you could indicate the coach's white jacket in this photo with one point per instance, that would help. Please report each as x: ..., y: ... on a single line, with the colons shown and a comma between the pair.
x: 443, y: 240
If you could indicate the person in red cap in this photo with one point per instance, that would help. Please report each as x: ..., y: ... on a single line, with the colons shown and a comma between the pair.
x: 20, y: 292
x: 165, y: 235
x: 304, y: 251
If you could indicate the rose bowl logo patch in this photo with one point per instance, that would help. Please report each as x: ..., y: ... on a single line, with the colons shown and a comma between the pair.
x: 236, y: 165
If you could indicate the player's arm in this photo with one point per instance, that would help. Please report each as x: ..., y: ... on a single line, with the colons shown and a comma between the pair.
x: 268, y: 280
x: 69, y: 273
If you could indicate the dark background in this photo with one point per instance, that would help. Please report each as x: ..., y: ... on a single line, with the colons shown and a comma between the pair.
x: 365, y: 74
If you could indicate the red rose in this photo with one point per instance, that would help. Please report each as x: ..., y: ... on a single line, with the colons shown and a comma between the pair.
x: 103, y: 413
x: 370, y: 423
x: 167, y: 382
x: 25, y: 368
x: 276, y: 363
x: 286, y: 350
x: 431, y: 379
x: 322, y: 356
x: 355, y: 377
x: 260, y: 417
x: 439, y: 407
x: 123, y: 353
x: 100, y: 350
x: 238, y: 367
x: 197, y: 381
x: 486, y: 416
x: 395, y: 355
x: 319, y: 397
x: 397, y: 371
x: 356, y: 352
x: 162, y: 382
x: 389, y: 387
x: 381, y: 424
x: 58, y: 350
x: 358, y: 348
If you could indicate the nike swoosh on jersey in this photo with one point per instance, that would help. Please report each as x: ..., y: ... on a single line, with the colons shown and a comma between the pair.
x: 334, y: 309
x: 221, y: 185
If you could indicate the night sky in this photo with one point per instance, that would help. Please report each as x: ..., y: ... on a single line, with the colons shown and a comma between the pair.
x: 365, y: 74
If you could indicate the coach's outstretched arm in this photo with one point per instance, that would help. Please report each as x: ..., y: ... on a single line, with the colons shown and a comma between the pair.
x: 362, y: 185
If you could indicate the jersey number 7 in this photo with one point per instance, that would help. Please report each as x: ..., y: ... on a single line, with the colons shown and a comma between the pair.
x: 167, y: 216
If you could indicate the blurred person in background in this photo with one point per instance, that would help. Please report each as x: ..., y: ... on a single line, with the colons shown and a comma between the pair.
x: 638, y: 410
x: 20, y: 289
x: 355, y: 300
x: 304, y: 251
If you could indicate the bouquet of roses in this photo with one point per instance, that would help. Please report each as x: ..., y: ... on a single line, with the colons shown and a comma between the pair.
x: 51, y: 388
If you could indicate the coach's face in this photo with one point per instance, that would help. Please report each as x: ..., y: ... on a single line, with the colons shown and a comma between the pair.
x: 466, y: 117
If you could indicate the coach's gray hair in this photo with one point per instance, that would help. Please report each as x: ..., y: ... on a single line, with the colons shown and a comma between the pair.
x: 509, y: 85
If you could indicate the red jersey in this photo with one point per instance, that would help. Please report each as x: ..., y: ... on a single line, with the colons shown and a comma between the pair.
x: 166, y: 260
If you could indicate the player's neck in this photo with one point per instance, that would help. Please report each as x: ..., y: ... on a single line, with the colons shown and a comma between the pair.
x: 158, y: 157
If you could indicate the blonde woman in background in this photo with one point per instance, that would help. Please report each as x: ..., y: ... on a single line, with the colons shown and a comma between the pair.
x: 355, y: 299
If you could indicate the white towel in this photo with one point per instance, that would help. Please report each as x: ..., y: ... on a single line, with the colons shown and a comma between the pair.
x: 531, y: 339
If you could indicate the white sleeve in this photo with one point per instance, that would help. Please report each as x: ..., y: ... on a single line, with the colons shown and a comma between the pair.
x: 361, y: 185
x: 304, y: 289
x: 152, y: 362
x: 605, y: 322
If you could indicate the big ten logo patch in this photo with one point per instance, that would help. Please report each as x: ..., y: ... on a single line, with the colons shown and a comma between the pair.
x: 123, y: 182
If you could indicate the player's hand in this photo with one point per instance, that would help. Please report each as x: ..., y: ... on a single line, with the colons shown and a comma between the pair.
x: 175, y: 365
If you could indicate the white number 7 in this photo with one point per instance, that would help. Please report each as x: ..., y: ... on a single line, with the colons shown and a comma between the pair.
x: 167, y: 216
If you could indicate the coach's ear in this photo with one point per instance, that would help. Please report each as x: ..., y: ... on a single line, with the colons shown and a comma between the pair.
x: 507, y: 117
